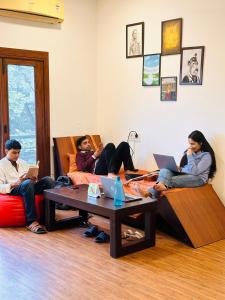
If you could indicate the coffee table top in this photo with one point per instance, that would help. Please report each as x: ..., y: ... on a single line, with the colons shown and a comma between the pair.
x: 79, y: 198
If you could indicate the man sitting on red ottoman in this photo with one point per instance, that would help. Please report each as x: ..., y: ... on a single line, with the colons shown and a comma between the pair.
x: 13, y: 181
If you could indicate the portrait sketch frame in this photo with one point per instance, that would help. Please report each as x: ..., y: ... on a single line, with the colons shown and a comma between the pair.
x: 171, y: 93
x: 171, y: 36
x: 137, y: 47
x: 151, y: 70
x: 191, y: 65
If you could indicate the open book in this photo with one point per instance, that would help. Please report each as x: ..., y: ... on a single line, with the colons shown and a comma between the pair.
x: 32, y: 171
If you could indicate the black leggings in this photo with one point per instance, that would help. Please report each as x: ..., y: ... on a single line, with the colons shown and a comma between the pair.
x: 111, y: 159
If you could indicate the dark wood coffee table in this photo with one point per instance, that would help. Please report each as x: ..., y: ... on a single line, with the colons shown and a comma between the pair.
x: 103, y: 206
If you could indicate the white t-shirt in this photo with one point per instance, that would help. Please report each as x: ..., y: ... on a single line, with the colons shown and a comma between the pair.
x: 9, y: 174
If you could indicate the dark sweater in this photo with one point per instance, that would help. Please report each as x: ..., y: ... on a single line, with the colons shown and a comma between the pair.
x: 85, y: 161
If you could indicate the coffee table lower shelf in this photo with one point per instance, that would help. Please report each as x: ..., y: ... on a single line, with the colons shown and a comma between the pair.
x: 101, y: 207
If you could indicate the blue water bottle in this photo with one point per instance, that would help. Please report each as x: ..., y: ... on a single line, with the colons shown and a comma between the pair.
x: 118, y: 192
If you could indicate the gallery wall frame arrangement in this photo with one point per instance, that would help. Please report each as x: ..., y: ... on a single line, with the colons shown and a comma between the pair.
x: 168, y: 90
x: 191, y: 58
x: 191, y: 65
x: 151, y: 69
x: 135, y: 40
x: 171, y: 36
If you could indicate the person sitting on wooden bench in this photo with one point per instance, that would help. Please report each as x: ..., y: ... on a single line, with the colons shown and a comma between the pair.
x: 104, y: 160
x: 197, y: 165
x: 13, y: 181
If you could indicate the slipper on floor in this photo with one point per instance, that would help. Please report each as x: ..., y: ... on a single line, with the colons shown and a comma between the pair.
x: 102, y: 237
x: 129, y: 235
x: 35, y: 227
x: 91, y: 231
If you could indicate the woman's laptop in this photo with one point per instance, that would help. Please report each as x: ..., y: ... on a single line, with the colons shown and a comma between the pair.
x: 166, y: 162
x: 108, y: 189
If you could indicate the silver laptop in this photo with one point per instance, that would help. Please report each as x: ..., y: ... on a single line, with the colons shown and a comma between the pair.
x: 108, y: 189
x: 166, y: 162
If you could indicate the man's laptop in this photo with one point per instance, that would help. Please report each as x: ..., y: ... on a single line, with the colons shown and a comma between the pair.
x: 108, y: 189
x: 166, y: 162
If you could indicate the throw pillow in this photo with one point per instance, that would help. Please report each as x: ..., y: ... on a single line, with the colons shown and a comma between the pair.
x: 72, y: 162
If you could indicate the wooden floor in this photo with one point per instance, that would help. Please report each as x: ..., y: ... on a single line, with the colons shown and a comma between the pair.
x: 64, y: 265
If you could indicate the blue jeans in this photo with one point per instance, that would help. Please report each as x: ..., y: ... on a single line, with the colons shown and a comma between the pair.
x: 28, y: 189
x: 175, y: 180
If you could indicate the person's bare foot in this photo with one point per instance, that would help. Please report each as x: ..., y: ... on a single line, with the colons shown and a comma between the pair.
x: 141, y: 192
x: 160, y: 187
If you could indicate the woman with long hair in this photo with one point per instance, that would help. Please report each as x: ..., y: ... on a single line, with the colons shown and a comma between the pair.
x: 197, y: 165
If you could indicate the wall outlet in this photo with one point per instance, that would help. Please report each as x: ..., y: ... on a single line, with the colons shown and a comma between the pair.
x: 134, y: 137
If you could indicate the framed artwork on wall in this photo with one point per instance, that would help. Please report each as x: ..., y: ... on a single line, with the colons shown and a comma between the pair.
x: 191, y: 65
x: 151, y: 69
x: 171, y: 37
x: 135, y: 40
x: 168, y: 89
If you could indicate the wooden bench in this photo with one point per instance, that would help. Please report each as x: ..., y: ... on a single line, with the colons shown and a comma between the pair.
x: 195, y: 213
x: 67, y: 145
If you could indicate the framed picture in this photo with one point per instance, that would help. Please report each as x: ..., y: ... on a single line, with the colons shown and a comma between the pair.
x: 168, y: 89
x: 191, y: 65
x: 171, y: 37
x: 135, y: 40
x: 151, y: 70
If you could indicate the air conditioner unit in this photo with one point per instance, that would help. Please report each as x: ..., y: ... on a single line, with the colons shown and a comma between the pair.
x: 48, y: 11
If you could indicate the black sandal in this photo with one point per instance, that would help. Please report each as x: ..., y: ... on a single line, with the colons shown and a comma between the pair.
x: 91, y: 231
x: 35, y: 227
x: 102, y: 237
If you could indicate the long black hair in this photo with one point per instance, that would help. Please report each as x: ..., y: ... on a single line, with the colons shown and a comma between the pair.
x: 199, y: 137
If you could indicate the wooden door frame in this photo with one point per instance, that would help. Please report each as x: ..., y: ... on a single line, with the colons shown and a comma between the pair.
x: 41, y: 56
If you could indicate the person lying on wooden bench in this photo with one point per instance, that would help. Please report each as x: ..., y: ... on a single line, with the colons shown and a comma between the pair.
x: 104, y: 160
x: 197, y: 165
x: 13, y: 181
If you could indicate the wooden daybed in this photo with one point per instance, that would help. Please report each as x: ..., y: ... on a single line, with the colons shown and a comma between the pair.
x: 194, y: 215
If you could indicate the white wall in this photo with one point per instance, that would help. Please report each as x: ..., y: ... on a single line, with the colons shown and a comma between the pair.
x: 123, y: 104
x: 72, y: 63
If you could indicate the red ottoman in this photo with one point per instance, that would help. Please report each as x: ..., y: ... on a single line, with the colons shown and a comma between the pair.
x: 12, y: 211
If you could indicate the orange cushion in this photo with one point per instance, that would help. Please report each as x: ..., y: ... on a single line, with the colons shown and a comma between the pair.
x: 72, y: 162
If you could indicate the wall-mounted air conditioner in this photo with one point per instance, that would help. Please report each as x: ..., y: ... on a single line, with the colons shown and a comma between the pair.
x: 48, y: 11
